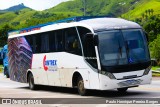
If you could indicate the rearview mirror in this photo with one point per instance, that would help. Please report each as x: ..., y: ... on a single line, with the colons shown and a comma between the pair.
x: 92, y: 38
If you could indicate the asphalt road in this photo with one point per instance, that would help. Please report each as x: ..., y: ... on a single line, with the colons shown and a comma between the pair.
x: 68, y: 97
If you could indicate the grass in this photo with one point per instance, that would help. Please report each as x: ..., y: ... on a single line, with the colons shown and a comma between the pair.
x: 141, y: 7
x: 1, y: 68
x: 155, y: 67
x: 155, y: 74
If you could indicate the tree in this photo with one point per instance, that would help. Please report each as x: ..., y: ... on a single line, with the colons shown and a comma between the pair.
x: 152, y: 11
x: 152, y: 27
x: 143, y: 15
x: 155, y: 49
x: 146, y: 11
x: 149, y: 12
x: 4, y: 34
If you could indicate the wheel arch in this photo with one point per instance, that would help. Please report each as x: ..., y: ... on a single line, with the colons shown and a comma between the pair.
x: 28, y: 72
x: 75, y: 77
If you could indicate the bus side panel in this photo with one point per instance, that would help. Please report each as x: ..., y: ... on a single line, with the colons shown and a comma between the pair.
x: 19, y: 57
x: 94, y: 79
x: 38, y: 70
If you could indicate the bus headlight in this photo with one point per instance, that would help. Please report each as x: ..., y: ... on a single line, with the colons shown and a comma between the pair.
x: 110, y: 75
x: 146, y: 71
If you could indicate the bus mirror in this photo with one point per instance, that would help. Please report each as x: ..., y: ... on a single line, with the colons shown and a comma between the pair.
x: 91, y: 38
x: 96, y: 40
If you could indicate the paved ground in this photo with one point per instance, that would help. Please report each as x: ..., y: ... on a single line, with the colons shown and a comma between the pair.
x: 11, y: 89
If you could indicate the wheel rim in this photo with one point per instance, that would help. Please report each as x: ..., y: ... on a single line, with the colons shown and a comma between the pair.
x: 81, y: 87
x: 31, y: 82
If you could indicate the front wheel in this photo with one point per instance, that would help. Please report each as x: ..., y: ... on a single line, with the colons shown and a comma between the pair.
x: 80, y: 85
x: 122, y: 90
x: 32, y: 86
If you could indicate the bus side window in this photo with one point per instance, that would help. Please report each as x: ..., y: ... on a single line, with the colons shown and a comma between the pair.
x: 52, y: 42
x: 59, y: 41
x: 30, y: 42
x: 72, y: 43
x: 37, y: 44
x: 44, y: 43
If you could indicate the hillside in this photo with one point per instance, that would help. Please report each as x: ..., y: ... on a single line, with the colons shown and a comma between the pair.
x: 111, y: 8
x: 142, y: 8
x: 130, y: 9
x: 28, y: 17
x: 14, y: 8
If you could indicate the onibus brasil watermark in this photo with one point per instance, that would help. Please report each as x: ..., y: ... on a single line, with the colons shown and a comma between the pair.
x: 38, y: 101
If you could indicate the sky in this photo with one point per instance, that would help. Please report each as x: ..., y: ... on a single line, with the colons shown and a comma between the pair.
x: 34, y: 4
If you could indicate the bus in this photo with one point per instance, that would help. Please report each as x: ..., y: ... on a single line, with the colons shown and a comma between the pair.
x: 4, y: 55
x: 87, y: 53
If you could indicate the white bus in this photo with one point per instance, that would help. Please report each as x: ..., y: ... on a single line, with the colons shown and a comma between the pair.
x: 90, y: 53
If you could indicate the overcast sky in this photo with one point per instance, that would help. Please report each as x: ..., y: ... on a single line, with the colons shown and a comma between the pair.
x: 34, y: 4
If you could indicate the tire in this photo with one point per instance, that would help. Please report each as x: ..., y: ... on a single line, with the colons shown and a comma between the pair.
x: 80, y: 85
x: 6, y: 73
x: 32, y: 86
x: 122, y: 90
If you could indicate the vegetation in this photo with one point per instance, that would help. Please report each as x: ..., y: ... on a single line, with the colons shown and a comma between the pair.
x: 155, y: 49
x: 155, y: 67
x: 112, y: 8
x: 144, y: 12
x: 1, y: 68
x: 156, y: 74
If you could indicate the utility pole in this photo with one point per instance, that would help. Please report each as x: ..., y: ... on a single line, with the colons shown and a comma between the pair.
x: 84, y: 7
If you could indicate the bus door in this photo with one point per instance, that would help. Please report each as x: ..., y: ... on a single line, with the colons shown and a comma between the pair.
x: 90, y: 56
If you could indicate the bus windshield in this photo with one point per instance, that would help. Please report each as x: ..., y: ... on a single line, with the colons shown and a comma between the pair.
x: 121, y: 47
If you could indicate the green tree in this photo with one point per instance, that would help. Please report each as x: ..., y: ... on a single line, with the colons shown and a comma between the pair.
x: 155, y: 49
x: 149, y: 12
x: 152, y: 27
x: 4, y: 34
x: 152, y: 11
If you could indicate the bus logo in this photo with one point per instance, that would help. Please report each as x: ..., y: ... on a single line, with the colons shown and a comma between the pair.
x: 131, y: 60
x: 49, y: 65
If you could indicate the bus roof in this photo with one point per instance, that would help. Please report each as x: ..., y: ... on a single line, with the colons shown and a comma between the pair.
x: 99, y: 24
x: 95, y: 24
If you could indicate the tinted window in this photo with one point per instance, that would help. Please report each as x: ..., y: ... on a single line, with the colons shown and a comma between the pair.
x: 52, y: 42
x: 112, y: 48
x: 64, y: 40
x: 72, y: 42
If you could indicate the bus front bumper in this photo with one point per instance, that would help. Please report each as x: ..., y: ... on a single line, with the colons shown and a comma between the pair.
x: 106, y: 83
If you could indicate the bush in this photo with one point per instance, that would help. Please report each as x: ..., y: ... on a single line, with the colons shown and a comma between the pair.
x: 155, y: 49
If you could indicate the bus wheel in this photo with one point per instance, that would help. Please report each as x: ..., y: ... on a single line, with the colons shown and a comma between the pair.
x: 80, y: 85
x: 122, y: 90
x: 32, y: 86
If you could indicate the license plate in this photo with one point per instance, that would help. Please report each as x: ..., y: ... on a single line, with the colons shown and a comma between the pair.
x: 129, y: 83
x: 132, y: 82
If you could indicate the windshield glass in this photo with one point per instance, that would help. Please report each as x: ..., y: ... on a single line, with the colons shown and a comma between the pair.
x: 121, y: 47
